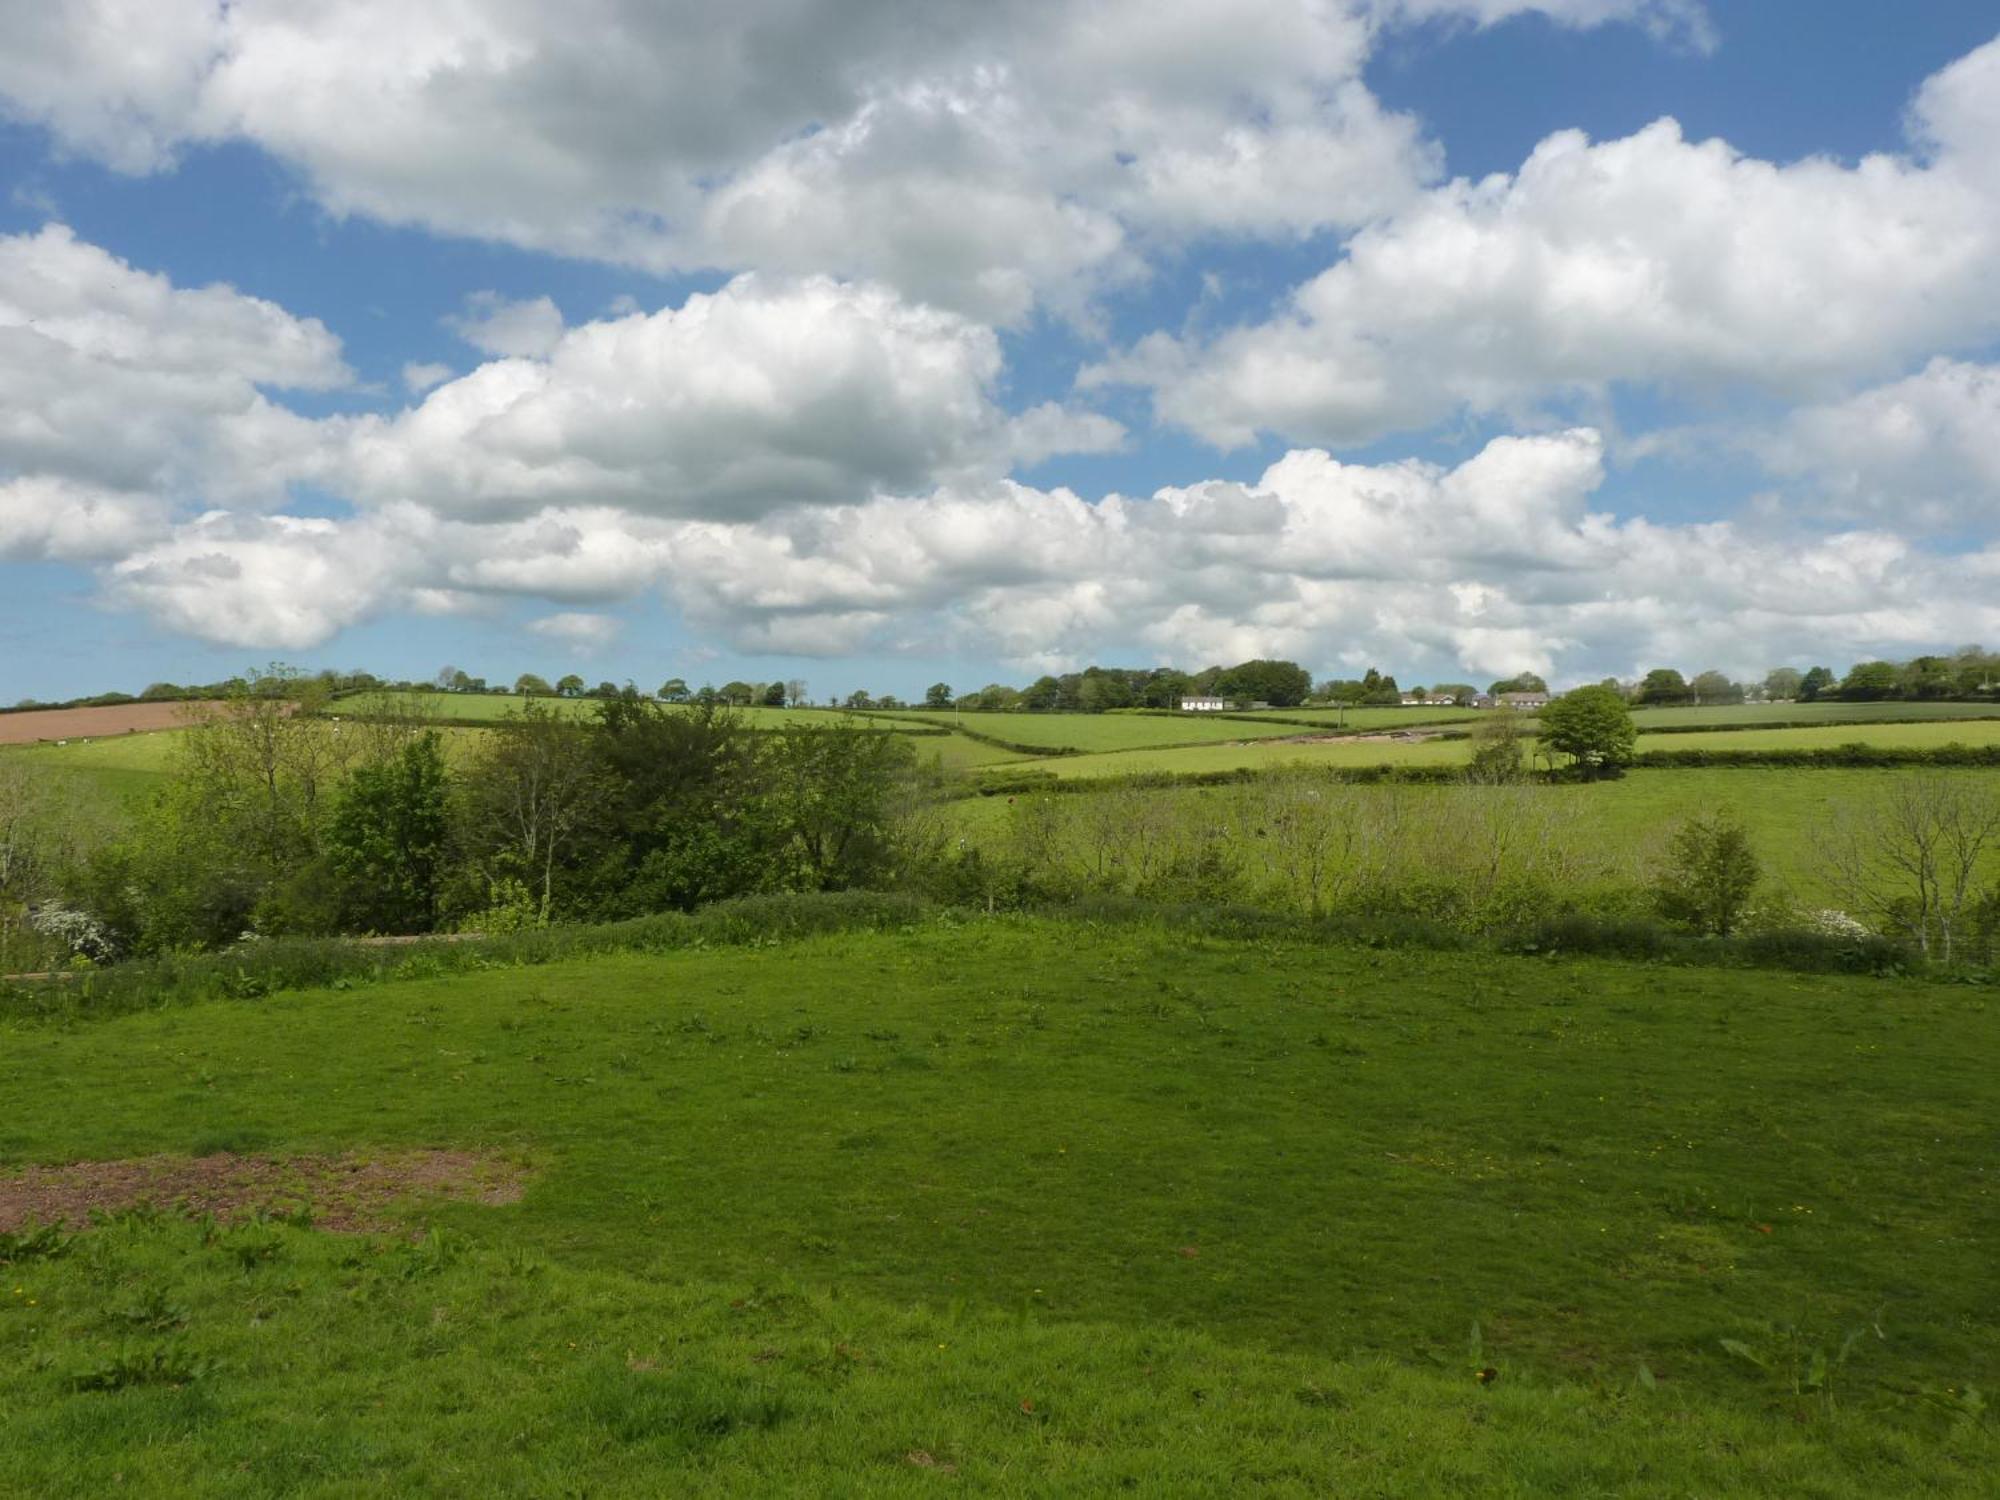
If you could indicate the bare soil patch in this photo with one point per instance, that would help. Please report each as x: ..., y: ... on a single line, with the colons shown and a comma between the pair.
x: 38, y: 724
x: 350, y: 1192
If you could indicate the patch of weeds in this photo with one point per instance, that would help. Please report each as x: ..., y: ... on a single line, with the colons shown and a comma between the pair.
x: 153, y: 1313
x: 173, y: 1365
x: 231, y: 1140
x: 523, y: 1264
x: 688, y: 1408
x: 252, y: 1247
x: 434, y: 1254
x: 1801, y: 1363
x: 35, y: 1242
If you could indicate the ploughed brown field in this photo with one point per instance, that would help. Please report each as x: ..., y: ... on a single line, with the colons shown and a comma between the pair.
x: 88, y: 723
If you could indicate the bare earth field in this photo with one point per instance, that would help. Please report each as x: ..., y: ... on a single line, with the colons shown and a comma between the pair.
x: 86, y: 723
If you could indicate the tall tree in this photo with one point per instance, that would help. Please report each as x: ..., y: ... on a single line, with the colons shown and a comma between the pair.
x: 529, y: 788
x: 388, y: 839
x: 1593, y: 727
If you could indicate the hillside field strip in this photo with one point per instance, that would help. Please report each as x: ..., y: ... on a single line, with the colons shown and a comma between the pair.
x: 1027, y: 1207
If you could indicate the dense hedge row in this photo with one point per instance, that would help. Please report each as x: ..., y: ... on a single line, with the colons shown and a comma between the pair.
x: 1826, y: 758
x: 266, y: 967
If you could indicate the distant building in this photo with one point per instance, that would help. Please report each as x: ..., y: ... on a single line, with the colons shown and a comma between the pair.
x: 1525, y: 700
x: 1204, y: 705
x: 1482, y: 700
x: 1417, y: 700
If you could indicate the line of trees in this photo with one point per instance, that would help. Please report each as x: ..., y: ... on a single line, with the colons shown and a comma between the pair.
x: 1971, y: 673
x: 280, y: 822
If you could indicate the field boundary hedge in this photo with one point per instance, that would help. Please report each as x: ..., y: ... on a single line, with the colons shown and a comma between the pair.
x: 256, y: 971
x: 1830, y: 757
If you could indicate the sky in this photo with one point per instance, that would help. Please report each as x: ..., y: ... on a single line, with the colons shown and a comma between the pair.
x: 883, y: 342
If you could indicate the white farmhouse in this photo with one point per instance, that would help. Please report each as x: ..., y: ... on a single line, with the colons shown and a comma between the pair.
x: 1203, y: 705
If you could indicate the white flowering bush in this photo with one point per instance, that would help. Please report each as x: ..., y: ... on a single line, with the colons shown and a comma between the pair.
x: 1837, y: 924
x: 77, y: 933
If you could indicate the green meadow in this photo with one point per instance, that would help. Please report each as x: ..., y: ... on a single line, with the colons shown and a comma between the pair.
x: 1036, y: 1207
x: 1059, y: 734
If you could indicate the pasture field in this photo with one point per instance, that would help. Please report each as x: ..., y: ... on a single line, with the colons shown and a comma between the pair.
x: 1263, y: 755
x: 1780, y: 808
x: 1373, y: 718
x: 1030, y: 1207
x: 1381, y: 749
x: 1091, y: 733
x: 111, y: 773
x: 957, y: 752
x: 1889, y: 734
x: 1750, y: 715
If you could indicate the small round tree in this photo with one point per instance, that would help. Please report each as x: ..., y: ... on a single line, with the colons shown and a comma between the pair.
x: 1593, y: 727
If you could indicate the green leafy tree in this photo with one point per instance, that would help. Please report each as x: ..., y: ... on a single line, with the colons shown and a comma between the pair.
x: 1816, y: 682
x: 1709, y: 876
x: 1283, y: 684
x: 387, y: 839
x: 773, y: 695
x: 1782, y: 684
x: 1716, y: 687
x: 1040, y: 695
x: 1870, y: 681
x: 1664, y: 685
x: 1593, y: 727
x: 829, y: 801
x: 938, y: 695
x: 1498, y: 755
x: 528, y: 685
x: 1927, y: 678
x: 529, y: 789
x: 674, y: 690
x: 570, y: 686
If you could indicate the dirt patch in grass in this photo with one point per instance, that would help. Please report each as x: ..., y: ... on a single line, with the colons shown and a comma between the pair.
x: 348, y: 1193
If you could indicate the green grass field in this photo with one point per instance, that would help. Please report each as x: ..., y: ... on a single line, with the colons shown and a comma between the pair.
x: 1100, y: 732
x: 1780, y: 808
x: 1903, y: 735
x: 1753, y: 714
x: 1034, y: 1208
x: 1269, y: 754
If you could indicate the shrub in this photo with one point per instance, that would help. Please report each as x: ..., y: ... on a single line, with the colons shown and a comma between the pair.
x: 1710, y: 875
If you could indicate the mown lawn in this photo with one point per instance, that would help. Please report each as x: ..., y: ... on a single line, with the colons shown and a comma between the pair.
x: 1040, y: 1208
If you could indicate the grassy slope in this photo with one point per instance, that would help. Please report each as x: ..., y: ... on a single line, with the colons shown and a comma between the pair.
x: 1356, y: 751
x: 1174, y: 1197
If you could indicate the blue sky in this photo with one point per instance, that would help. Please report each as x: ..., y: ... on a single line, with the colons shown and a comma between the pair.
x: 838, y: 366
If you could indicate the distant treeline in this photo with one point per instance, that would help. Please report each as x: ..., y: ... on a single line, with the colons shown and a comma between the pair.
x: 1970, y: 674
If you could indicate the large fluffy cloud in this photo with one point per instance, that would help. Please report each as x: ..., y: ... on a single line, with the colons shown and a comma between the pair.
x: 1925, y: 449
x: 121, y: 395
x: 975, y: 152
x: 1501, y: 562
x: 1649, y: 260
x: 759, y: 395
